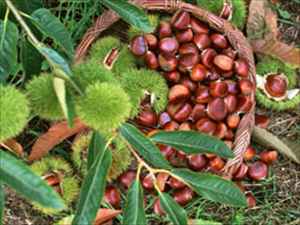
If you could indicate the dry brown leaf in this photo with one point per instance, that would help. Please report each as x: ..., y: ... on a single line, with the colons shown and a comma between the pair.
x: 256, y: 22
x: 13, y: 146
x: 55, y: 135
x: 105, y: 215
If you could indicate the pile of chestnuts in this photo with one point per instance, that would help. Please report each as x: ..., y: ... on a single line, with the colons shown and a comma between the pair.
x: 209, y: 91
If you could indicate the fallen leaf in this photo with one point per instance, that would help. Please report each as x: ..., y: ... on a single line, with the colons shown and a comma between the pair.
x: 55, y: 135
x: 268, y: 140
x: 105, y: 215
x: 13, y: 146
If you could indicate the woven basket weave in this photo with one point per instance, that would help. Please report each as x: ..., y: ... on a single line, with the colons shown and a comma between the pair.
x: 235, y: 37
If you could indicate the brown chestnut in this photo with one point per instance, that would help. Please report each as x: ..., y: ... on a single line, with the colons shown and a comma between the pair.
x: 246, y: 86
x: 188, y: 48
x: 202, y: 95
x: 172, y: 76
x: 164, y: 118
x: 207, y: 57
x: 223, y: 62
x: 258, y: 171
x: 229, y: 52
x: 198, y: 27
x: 216, y: 109
x: 241, y: 172
x: 112, y: 196
x: 233, y: 87
x: 216, y: 163
x: 157, y: 207
x: 268, y: 156
x: 199, y: 73
x: 233, y: 120
x: 151, y: 60
x: 167, y: 62
x: 127, y: 178
x: 245, y: 103
x: 276, y: 85
x: 229, y: 136
x: 249, y: 153
x: 206, y: 125
x: 166, y: 151
x: 187, y: 62
x: 147, y: 118
x: 182, y: 113
x: 178, y: 93
x: 164, y: 29
x: 199, y: 110
x: 185, y: 36
x: 147, y: 182
x: 231, y: 103
x: 152, y: 41
x: 162, y: 180
x: 183, y: 196
x: 262, y: 121
x: 168, y: 45
x: 251, y: 201
x: 185, y: 126
x: 171, y: 126
x: 181, y: 20
x: 221, y: 130
x: 241, y: 68
x: 218, y: 88
x: 138, y: 46
x: 219, y: 41
x: 202, y: 41
x: 188, y: 83
x: 197, y: 162
x: 175, y: 184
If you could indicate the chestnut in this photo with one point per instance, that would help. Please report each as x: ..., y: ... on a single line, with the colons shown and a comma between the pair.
x: 276, y: 85
x: 185, y: 126
x: 258, y: 171
x: 157, y: 207
x: 219, y: 41
x: 138, y: 46
x: 245, y: 104
x: 178, y: 93
x: 233, y: 87
x: 221, y: 130
x: 241, y: 68
x: 181, y: 155
x: 164, y: 118
x: 227, y: 11
x: 167, y: 62
x: 152, y: 41
x: 223, y: 62
x: 246, y: 86
x: 181, y: 20
x: 206, y: 125
x: 202, y: 95
x: 249, y: 153
x: 241, y: 172
x: 112, y: 196
x: 202, y: 41
x: 166, y: 151
x: 199, y: 73
x: 188, y: 48
x: 147, y: 182
x: 162, y: 180
x: 147, y: 118
x: 175, y: 184
x: 262, y: 121
x: 180, y: 112
x: 183, y: 196
x: 229, y: 52
x: 231, y: 102
x: 151, y: 60
x: 216, y: 109
x: 217, y: 163
x: 168, y: 45
x: 198, y: 111
x: 213, y: 75
x: 229, y: 136
x: 268, y: 156
x: 251, y: 201
x: 127, y: 178
x: 197, y: 162
x: 164, y: 29
x: 187, y: 62
x: 171, y: 126
x: 189, y: 84
x: 185, y: 36
x: 207, y: 57
x: 172, y: 76
x: 218, y: 88
x: 198, y: 27
x: 233, y: 120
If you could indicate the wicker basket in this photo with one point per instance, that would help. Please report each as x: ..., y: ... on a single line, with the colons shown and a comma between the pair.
x: 235, y: 37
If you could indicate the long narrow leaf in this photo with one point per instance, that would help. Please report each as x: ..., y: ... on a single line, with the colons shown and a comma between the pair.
x: 130, y: 13
x: 93, y: 189
x: 193, y: 142
x: 213, y: 187
x: 175, y: 212
x: 134, y: 212
x: 97, y: 143
x: 144, y: 146
x: 19, y: 176
x: 2, y: 202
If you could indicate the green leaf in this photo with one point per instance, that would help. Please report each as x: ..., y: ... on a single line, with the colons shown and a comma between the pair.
x: 2, y: 202
x: 28, y: 6
x: 31, y: 59
x: 93, y: 189
x: 174, y: 211
x: 193, y: 142
x: 213, y: 187
x: 51, y: 27
x: 64, y: 99
x: 130, y: 13
x: 19, y: 176
x: 9, y: 36
x: 134, y: 212
x: 97, y: 143
x: 203, y: 222
x: 144, y: 146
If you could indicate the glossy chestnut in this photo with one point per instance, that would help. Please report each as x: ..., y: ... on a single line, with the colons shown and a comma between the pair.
x: 168, y: 45
x: 175, y: 184
x: 262, y: 121
x: 112, y: 196
x: 147, y: 182
x: 276, y: 85
x: 181, y: 20
x: 202, y: 41
x: 178, y: 93
x: 249, y: 153
x: 171, y: 126
x: 198, y: 111
x: 223, y: 62
x: 152, y: 41
x: 167, y: 62
x: 164, y: 118
x: 206, y: 125
x: 172, y: 76
x: 157, y: 207
x: 219, y: 41
x: 216, y: 109
x: 164, y: 29
x: 127, y: 178
x: 218, y: 88
x: 268, y: 157
x: 197, y: 162
x: 221, y: 130
x: 258, y: 171
x: 198, y: 27
x: 246, y: 86
x: 198, y: 73
x: 207, y: 57
x: 202, y: 95
x: 187, y: 62
x: 231, y: 103
x: 233, y: 120
x: 217, y: 163
x: 139, y: 46
x: 245, y: 103
x: 147, y: 118
x: 188, y: 48
x: 183, y: 196
x: 185, y: 36
x: 151, y: 60
x: 192, y: 86
x: 241, y: 173
x: 241, y: 68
